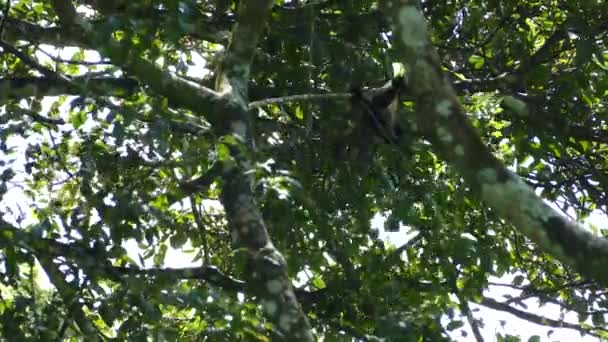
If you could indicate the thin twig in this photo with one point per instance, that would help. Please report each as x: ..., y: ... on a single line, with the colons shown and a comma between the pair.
x: 540, y: 320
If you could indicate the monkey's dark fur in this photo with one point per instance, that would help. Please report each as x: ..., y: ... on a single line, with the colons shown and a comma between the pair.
x: 379, y: 107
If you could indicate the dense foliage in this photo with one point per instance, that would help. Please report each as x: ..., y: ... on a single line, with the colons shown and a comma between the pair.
x: 111, y: 164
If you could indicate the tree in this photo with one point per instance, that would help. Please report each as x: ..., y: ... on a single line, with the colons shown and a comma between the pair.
x: 225, y: 128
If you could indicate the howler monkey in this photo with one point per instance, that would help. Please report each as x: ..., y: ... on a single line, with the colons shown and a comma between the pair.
x: 379, y: 107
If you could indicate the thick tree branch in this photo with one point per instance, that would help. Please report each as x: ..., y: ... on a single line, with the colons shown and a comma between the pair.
x: 24, y: 87
x: 441, y: 119
x: 267, y: 275
x: 268, y: 278
x: 179, y: 92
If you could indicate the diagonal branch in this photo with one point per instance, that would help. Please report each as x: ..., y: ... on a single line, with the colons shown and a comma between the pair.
x: 179, y: 92
x: 442, y: 120
x: 6, y: 47
x: 227, y: 110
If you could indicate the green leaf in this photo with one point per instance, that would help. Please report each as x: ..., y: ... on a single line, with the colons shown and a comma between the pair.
x: 77, y: 118
x: 159, y: 257
x: 318, y: 283
x: 476, y: 61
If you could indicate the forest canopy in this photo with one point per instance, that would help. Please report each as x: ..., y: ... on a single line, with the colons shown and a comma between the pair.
x: 325, y: 170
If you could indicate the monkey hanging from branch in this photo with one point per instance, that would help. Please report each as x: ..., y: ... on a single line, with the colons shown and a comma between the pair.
x: 378, y: 108
x: 376, y: 122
